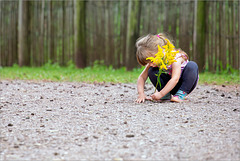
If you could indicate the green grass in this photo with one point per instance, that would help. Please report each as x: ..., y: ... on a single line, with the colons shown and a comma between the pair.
x: 70, y: 74
x: 220, y: 78
x: 98, y: 73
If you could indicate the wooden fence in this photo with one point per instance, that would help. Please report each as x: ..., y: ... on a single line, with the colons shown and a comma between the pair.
x: 207, y: 30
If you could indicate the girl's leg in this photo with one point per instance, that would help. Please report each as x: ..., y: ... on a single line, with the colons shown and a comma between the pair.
x: 189, y: 77
x: 164, y: 78
x: 188, y: 81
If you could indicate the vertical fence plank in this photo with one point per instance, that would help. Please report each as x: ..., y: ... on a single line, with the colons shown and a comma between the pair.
x: 14, y: 33
x: 47, y: 56
x: 229, y: 35
x: 24, y: 52
x: 207, y: 38
x: 51, y: 33
x: 217, y: 36
x: 234, y: 37
x: 41, y: 44
x: 118, y: 43
x: 184, y: 25
x: 94, y: 32
x: 7, y: 38
x: 238, y: 57
x: 10, y: 28
x: 111, y: 33
x: 210, y: 59
x: 123, y: 31
x: 200, y: 34
x: 80, y: 40
x: 221, y: 33
x: 63, y: 33
x: 1, y: 34
x: 132, y: 33
x: 214, y: 37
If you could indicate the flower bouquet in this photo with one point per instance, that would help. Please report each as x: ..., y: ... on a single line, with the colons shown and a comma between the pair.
x: 164, y: 57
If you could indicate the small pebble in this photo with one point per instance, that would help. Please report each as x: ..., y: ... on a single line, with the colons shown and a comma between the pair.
x: 130, y: 136
x: 95, y: 137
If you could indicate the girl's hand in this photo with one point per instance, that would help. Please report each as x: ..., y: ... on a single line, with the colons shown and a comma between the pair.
x: 156, y: 96
x: 141, y: 98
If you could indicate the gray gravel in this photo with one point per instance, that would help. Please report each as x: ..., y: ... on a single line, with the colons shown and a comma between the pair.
x: 75, y: 121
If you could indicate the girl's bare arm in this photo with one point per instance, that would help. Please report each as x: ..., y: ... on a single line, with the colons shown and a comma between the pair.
x: 140, y: 84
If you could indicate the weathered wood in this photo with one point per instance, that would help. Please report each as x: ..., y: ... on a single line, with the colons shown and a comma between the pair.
x: 132, y: 33
x: 211, y: 51
x: 238, y: 13
x: 15, y: 34
x: 63, y: 33
x: 23, y: 50
x: 217, y: 63
x: 109, y: 35
x: 1, y: 33
x: 42, y: 33
x: 184, y: 23
x: 80, y: 34
x: 52, y: 42
x: 200, y: 35
x: 221, y: 32
x: 234, y: 33
x: 230, y: 33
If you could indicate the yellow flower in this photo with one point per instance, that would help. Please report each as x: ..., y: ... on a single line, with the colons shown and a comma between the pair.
x: 160, y: 52
x: 163, y: 58
x: 163, y: 66
x: 152, y: 59
x: 158, y: 59
x: 169, y: 46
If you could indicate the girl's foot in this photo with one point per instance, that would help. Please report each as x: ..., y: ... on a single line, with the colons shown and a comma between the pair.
x: 180, y: 96
x: 165, y: 98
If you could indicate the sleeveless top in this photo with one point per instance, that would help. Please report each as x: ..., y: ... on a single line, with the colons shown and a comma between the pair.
x: 178, y: 55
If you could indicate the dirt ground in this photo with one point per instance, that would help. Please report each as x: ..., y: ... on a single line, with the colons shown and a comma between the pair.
x: 79, y: 121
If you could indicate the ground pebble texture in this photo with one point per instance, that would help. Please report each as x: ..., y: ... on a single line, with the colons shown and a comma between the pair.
x: 42, y: 120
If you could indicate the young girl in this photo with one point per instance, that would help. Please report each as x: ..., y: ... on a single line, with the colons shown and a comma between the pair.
x: 181, y: 77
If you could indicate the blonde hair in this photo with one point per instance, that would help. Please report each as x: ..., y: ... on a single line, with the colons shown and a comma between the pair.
x: 147, y: 46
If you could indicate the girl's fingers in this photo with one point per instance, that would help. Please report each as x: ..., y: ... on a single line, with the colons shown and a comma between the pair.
x: 149, y: 98
x: 139, y: 100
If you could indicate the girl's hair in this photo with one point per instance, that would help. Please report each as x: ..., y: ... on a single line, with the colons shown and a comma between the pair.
x: 147, y: 46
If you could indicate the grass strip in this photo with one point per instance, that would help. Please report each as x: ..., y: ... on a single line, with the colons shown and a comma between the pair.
x: 100, y: 73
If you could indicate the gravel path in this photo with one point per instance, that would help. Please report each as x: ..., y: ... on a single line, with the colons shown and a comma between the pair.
x: 74, y: 121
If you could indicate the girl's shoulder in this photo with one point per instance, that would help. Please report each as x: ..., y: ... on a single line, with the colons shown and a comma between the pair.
x: 182, y: 54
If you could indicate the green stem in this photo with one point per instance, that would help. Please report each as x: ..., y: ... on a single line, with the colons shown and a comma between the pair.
x: 156, y: 87
x: 158, y: 80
